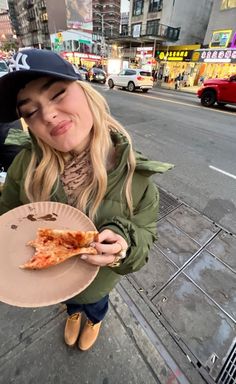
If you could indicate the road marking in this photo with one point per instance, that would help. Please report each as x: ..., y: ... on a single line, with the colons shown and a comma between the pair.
x: 182, y: 103
x: 186, y: 104
x: 221, y: 171
x: 177, y: 102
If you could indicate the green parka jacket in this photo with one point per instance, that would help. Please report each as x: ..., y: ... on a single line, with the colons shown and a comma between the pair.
x: 139, y: 231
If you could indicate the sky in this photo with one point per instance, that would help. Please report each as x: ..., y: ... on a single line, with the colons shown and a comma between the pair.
x: 124, y: 6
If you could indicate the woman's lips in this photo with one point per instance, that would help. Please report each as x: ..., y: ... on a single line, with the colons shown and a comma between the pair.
x: 61, y: 128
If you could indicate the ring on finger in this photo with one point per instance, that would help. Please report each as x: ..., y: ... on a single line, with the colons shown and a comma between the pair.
x: 116, y: 262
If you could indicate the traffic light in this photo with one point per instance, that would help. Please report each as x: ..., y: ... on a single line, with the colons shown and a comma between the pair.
x: 60, y: 37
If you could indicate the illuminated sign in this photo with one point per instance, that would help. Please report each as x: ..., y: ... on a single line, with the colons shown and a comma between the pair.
x: 217, y: 56
x: 181, y: 55
x: 144, y: 52
x: 233, y: 44
x: 220, y: 39
x: 89, y: 56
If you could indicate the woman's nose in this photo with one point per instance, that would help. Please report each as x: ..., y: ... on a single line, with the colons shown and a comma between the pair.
x: 49, y: 113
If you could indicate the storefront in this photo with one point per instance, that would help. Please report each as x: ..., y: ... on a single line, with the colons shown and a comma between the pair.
x: 84, y: 59
x: 215, y: 63
x: 175, y: 60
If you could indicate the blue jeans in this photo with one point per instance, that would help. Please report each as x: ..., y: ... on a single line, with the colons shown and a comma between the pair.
x: 94, y: 312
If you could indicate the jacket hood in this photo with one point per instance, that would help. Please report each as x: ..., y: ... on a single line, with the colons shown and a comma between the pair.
x: 144, y: 166
x: 150, y: 167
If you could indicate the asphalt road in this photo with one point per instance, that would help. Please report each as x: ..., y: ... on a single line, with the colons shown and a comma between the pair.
x: 173, y: 127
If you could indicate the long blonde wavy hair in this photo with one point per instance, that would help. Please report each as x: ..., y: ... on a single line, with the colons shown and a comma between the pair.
x: 43, y: 175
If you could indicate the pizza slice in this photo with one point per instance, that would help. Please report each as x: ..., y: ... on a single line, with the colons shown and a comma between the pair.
x: 53, y: 246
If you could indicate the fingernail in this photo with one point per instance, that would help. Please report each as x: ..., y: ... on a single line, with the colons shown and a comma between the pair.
x: 83, y: 257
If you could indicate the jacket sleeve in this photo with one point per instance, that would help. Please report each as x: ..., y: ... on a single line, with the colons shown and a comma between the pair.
x: 140, y: 231
x: 10, y: 197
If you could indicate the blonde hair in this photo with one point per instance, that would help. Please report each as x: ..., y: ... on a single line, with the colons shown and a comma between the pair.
x: 43, y: 176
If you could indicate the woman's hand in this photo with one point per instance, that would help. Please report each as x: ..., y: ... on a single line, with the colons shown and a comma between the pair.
x: 109, y: 245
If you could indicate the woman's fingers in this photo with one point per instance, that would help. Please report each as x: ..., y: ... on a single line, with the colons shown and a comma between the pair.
x: 108, y: 238
x: 107, y: 235
x: 110, y: 249
x: 109, y: 246
x: 100, y: 260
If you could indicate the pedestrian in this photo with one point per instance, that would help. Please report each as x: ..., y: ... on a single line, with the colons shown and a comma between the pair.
x: 73, y: 134
x: 185, y: 79
x: 177, y: 81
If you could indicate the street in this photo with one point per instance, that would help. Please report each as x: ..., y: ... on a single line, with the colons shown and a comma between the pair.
x: 175, y: 318
x: 173, y: 127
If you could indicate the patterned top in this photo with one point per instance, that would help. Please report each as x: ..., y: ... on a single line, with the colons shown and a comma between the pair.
x: 76, y: 173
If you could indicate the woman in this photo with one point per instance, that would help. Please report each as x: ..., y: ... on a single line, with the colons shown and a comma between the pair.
x: 81, y: 156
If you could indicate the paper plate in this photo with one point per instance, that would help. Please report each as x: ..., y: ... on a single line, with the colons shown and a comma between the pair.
x: 25, y: 288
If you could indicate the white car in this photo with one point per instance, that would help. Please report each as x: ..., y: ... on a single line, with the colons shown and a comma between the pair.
x: 3, y: 68
x: 132, y: 79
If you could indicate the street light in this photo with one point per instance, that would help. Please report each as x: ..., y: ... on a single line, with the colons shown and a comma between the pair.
x: 103, y: 38
x: 103, y: 45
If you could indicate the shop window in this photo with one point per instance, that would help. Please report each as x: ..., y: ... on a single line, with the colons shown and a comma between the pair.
x: 227, y: 4
x: 152, y: 27
x: 155, y: 5
x: 137, y: 7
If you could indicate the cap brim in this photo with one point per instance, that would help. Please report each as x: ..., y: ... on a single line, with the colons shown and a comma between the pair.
x: 11, y: 83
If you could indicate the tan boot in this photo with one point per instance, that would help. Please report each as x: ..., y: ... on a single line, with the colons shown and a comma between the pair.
x: 72, y: 329
x: 88, y: 335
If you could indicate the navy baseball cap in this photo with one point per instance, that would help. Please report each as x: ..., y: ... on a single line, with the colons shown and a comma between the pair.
x: 25, y: 66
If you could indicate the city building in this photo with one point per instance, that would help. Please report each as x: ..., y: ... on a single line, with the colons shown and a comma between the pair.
x: 156, y: 22
x: 163, y: 35
x: 6, y: 32
x: 106, y: 17
x: 218, y: 57
x: 30, y: 20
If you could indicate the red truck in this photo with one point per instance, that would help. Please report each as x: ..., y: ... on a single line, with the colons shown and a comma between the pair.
x: 220, y: 91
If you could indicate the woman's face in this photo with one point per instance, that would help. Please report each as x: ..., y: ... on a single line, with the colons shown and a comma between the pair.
x: 57, y: 112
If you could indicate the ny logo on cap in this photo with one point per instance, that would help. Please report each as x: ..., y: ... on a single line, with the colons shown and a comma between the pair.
x: 19, y: 62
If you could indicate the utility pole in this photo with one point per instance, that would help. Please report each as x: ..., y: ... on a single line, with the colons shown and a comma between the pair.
x: 103, y: 37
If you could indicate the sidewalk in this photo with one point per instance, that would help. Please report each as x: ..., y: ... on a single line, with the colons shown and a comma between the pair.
x: 172, y: 322
x: 171, y: 86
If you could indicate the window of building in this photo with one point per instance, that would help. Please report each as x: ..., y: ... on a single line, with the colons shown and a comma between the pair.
x: 137, y: 7
x: 155, y: 5
x: 44, y: 16
x: 152, y: 27
x: 136, y: 30
x: 227, y: 4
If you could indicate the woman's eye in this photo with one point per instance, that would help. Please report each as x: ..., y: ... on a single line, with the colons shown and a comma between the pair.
x: 27, y: 115
x: 58, y: 94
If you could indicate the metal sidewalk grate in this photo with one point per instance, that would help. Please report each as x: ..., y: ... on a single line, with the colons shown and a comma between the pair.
x: 228, y: 374
x: 167, y: 203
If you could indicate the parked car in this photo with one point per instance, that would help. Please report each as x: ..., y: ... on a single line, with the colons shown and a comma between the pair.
x: 3, y: 68
x: 132, y: 79
x: 81, y: 73
x: 97, y: 74
x: 220, y: 91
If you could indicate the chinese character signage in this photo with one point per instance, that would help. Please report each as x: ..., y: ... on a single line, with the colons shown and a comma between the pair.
x: 220, y: 39
x: 144, y: 52
x: 181, y: 55
x: 217, y: 56
x: 233, y: 43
